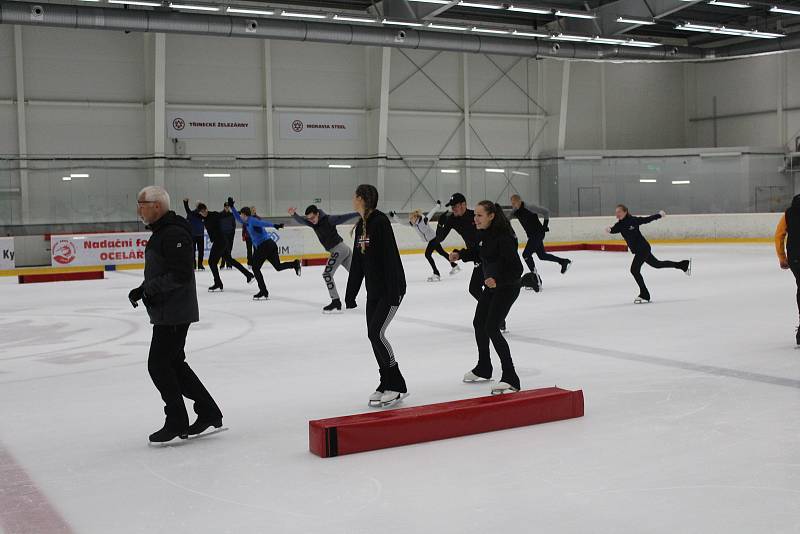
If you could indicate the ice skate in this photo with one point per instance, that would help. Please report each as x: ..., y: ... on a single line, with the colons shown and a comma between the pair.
x: 532, y: 281
x: 688, y: 270
x: 503, y: 328
x: 641, y: 300
x: 455, y: 270
x: 297, y: 266
x: 375, y: 399
x: 797, y: 336
x: 435, y: 278
x: 250, y: 278
x: 390, y: 398
x: 503, y: 387
x: 200, y: 426
x: 350, y: 305
x: 334, y: 307
x: 166, y: 435
x: 261, y: 295
x: 215, y: 288
x: 565, y: 266
x: 470, y: 377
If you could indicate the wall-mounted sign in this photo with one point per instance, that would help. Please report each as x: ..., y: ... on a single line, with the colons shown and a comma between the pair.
x: 317, y: 126
x: 210, y: 125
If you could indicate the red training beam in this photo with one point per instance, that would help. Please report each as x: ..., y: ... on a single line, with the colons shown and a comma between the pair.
x: 393, y: 428
x: 60, y: 277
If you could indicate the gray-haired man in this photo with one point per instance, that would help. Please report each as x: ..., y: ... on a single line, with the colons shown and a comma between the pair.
x: 170, y: 295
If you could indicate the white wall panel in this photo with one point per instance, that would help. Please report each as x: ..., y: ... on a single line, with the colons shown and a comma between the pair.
x: 584, y: 122
x: 7, y: 76
x: 8, y: 130
x: 419, y: 92
x: 504, y: 96
x: 86, y: 130
x: 66, y: 64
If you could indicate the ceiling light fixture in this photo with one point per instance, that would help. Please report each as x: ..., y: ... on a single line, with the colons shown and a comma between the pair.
x: 648, y: 180
x: 79, y: 175
x: 575, y: 14
x: 303, y: 15
x: 135, y: 3
x: 449, y: 171
x: 568, y: 37
x: 339, y: 166
x: 446, y: 27
x: 729, y: 3
x: 624, y: 19
x: 488, y: 30
x: 216, y: 175
x: 192, y: 7
x: 353, y: 19
x: 401, y: 23
x: 532, y: 10
x: 681, y: 182
x: 479, y: 5
x: 496, y: 171
x: 785, y: 10
x: 243, y: 11
x: 530, y: 34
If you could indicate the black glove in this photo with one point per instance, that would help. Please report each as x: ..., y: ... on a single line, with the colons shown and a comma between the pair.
x: 546, y: 227
x: 230, y: 202
x: 279, y: 226
x: 438, y: 202
x: 391, y: 214
x: 135, y: 296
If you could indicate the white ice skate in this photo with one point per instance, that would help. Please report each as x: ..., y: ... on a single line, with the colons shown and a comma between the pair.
x: 435, y: 278
x: 471, y: 378
x: 641, y: 300
x: 455, y: 270
x: 503, y: 387
x: 375, y: 399
x: 390, y: 398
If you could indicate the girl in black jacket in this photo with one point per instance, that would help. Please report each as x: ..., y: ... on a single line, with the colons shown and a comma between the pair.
x: 502, y: 270
x: 628, y: 226
x: 377, y: 261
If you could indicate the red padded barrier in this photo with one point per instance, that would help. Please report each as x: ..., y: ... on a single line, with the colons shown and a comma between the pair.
x: 60, y: 277
x: 588, y: 246
x: 404, y: 426
x: 315, y: 261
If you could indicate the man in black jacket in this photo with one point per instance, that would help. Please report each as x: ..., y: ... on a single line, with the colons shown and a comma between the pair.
x: 170, y: 296
x: 228, y: 225
x: 528, y: 216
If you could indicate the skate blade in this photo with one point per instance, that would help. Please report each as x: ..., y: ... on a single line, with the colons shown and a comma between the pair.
x: 183, y: 441
x: 394, y: 401
x: 504, y: 391
x: 478, y: 380
x: 332, y: 312
x: 261, y: 298
x: 641, y: 301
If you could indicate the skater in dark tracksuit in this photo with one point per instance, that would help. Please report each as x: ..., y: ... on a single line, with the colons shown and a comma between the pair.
x: 376, y: 260
x: 265, y: 247
x: 787, y: 245
x: 501, y: 271
x: 170, y: 296
x: 198, y: 231
x: 324, y: 226
x: 462, y: 220
x: 219, y: 248
x: 628, y: 226
x: 528, y: 216
x: 228, y: 225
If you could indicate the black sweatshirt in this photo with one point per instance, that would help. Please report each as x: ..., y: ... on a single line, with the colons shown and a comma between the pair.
x: 629, y: 228
x: 377, y: 261
x: 497, y: 252
x: 464, y: 226
x: 212, y: 221
x: 326, y: 227
x: 530, y: 222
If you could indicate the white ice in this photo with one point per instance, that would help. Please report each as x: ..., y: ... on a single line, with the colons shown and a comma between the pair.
x: 692, y: 405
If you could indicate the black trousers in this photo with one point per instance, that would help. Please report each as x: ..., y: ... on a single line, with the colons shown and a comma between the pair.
x: 248, y: 243
x: 476, y: 282
x: 647, y: 257
x: 219, y: 250
x: 491, y: 312
x: 435, y: 246
x: 267, y: 251
x: 174, y: 379
x: 200, y: 247
x: 536, y: 246
x: 379, y: 314
x: 794, y: 265
x: 229, y: 237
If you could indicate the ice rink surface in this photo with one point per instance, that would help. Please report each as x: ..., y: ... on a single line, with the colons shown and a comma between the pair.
x: 692, y: 405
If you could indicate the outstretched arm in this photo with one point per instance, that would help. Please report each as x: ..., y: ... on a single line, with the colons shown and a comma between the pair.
x: 539, y: 210
x: 189, y: 212
x: 648, y: 219
x: 434, y: 210
x: 301, y: 220
x: 343, y: 218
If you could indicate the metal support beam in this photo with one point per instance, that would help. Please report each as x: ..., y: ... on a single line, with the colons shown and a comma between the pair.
x: 269, y: 129
x: 421, y: 70
x: 159, y: 108
x: 603, y: 123
x: 607, y: 14
x: 383, y: 119
x: 562, y: 114
x: 22, y: 127
x: 467, y: 127
x: 782, y: 88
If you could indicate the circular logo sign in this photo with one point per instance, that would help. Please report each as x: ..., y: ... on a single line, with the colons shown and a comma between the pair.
x: 297, y: 126
x: 64, y: 252
x: 178, y: 124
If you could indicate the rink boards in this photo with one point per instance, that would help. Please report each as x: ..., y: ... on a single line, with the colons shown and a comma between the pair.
x: 393, y: 428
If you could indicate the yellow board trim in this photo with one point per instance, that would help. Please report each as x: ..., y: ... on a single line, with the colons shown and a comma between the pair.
x: 137, y: 266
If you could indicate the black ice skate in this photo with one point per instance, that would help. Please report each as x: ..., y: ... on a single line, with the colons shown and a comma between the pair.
x: 532, y: 281
x: 797, y: 336
x: 261, y: 295
x: 166, y: 435
x: 334, y: 307
x: 298, y: 265
x: 565, y: 266
x: 200, y: 426
x: 350, y: 304
x: 214, y: 288
x: 250, y: 278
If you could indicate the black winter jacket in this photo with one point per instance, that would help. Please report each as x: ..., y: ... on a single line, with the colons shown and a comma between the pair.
x: 498, y: 254
x: 377, y: 261
x: 170, y: 293
x: 464, y: 226
x: 629, y: 228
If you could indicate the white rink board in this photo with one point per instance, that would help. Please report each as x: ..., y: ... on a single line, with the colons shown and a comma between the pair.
x: 7, y: 253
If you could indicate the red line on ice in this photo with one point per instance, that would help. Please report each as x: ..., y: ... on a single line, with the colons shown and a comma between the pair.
x: 24, y: 509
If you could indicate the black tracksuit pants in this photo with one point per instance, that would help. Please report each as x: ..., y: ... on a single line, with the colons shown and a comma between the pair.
x: 219, y: 250
x: 435, y: 246
x: 379, y: 314
x: 200, y: 247
x: 794, y: 265
x: 174, y: 379
x: 640, y: 258
x: 491, y: 312
x: 248, y: 243
x: 536, y: 246
x: 267, y: 251
x: 229, y: 237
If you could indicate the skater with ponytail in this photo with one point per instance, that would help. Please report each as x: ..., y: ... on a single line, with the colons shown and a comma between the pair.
x: 376, y: 260
x: 501, y: 272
